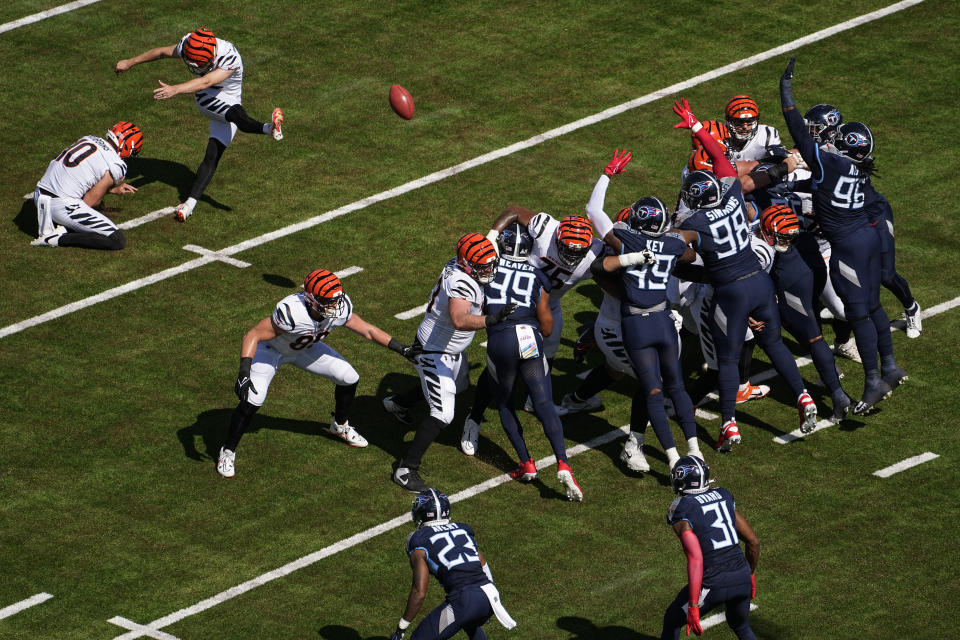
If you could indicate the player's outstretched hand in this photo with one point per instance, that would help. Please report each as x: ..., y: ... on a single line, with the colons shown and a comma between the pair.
x: 619, y: 162
x: 693, y: 621
x: 164, y: 91
x: 121, y: 189
x: 687, y: 119
x: 121, y: 66
x: 788, y: 72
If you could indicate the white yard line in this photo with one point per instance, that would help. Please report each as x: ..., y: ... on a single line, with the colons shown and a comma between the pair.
x: 479, y: 160
x: 141, y: 629
x: 903, y: 465
x: 8, y: 611
x: 43, y: 15
x: 717, y: 618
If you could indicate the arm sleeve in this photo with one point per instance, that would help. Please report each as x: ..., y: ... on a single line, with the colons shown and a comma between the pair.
x: 721, y: 165
x: 595, y: 213
x: 803, y: 141
x: 691, y: 547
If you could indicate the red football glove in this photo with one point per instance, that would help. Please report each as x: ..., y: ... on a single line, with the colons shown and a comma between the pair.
x: 687, y: 119
x: 693, y: 621
x: 753, y: 587
x: 620, y: 161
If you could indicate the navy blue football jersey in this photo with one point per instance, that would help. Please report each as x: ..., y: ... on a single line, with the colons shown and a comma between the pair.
x: 645, y: 285
x: 712, y: 516
x: 797, y: 262
x: 723, y: 237
x: 876, y: 205
x: 518, y: 282
x: 837, y: 185
x: 452, y: 554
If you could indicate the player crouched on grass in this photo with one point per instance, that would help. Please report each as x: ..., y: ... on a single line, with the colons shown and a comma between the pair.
x: 449, y: 551
x: 76, y: 181
x: 294, y: 334
x: 216, y: 89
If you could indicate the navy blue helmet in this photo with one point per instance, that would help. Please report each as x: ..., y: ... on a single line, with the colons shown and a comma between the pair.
x: 430, y: 505
x: 701, y: 190
x: 515, y: 243
x: 690, y: 474
x: 854, y: 140
x: 649, y: 216
x: 822, y: 122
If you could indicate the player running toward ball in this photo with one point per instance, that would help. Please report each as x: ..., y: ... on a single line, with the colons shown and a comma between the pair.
x: 217, y: 86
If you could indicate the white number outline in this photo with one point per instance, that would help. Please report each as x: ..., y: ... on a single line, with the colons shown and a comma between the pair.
x: 652, y: 277
x: 525, y: 293
x: 448, y: 537
x: 723, y: 522
x: 847, y: 194
x: 736, y: 234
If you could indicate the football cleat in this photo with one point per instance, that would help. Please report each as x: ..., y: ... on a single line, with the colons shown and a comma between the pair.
x: 893, y: 376
x: 569, y: 405
x: 807, y: 409
x: 182, y: 212
x: 752, y: 392
x: 729, y: 436
x: 409, y: 479
x: 526, y: 472
x: 51, y: 239
x: 277, y: 120
x: 632, y: 454
x: 914, y: 326
x: 468, y: 440
x: 399, y: 412
x: 841, y: 405
x: 225, y: 463
x: 565, y: 476
x: 347, y: 433
x: 873, y: 392
x: 847, y: 350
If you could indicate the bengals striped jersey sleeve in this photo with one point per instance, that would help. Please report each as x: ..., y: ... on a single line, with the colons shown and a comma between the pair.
x: 80, y: 166
x: 227, y: 57
x: 297, y: 329
x: 436, y: 332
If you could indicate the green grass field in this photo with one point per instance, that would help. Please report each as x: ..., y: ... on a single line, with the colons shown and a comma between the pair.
x: 109, y: 415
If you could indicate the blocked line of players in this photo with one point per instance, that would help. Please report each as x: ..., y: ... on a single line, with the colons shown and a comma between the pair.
x: 73, y: 186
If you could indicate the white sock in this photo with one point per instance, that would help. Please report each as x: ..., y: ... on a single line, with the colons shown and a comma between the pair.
x: 191, y: 203
x: 672, y: 456
x: 693, y: 448
x: 744, y: 386
x: 268, y: 128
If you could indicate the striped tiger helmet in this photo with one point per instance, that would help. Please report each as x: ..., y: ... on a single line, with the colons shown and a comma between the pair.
x: 742, y: 115
x: 126, y: 139
x: 574, y: 236
x: 719, y: 130
x: 700, y: 161
x: 477, y: 257
x: 623, y: 214
x: 323, y: 294
x: 198, y: 51
x: 779, y: 226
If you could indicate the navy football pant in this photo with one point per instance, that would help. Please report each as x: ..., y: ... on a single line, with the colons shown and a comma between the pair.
x: 465, y: 610
x: 732, y: 304
x: 504, y: 365
x: 736, y: 597
x: 653, y: 347
x: 889, y: 277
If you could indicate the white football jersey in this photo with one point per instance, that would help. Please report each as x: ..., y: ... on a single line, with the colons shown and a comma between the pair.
x: 756, y: 146
x: 543, y: 229
x: 227, y: 57
x: 80, y: 166
x: 436, y: 332
x: 298, y: 329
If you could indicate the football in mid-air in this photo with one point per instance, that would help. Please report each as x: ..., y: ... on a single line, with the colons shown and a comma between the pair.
x: 401, y: 101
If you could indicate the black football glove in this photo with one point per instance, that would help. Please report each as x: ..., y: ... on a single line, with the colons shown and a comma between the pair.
x: 501, y: 315
x: 584, y: 344
x: 410, y: 352
x: 396, y: 635
x: 244, y: 384
x: 786, y: 91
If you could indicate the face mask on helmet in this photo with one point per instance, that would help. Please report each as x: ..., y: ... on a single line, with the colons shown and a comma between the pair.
x: 199, y: 50
x: 430, y: 507
x: 477, y: 257
x: 649, y: 216
x: 574, y: 236
x: 822, y: 121
x: 690, y: 474
x: 779, y: 226
x: 701, y: 190
x: 854, y: 140
x: 323, y: 294
x: 126, y: 138
x: 742, y: 116
x: 515, y: 243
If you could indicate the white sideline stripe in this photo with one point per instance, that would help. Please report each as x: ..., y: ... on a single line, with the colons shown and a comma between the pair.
x: 349, y: 271
x: 353, y: 541
x: 505, y: 151
x: 412, y: 313
x: 150, y: 217
x: 43, y: 15
x: 796, y: 434
x: 8, y: 611
x: 216, y: 256
x: 717, y: 618
x: 903, y: 465
x: 150, y: 632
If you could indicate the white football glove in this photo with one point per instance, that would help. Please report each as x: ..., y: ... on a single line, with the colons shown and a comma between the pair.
x: 638, y: 257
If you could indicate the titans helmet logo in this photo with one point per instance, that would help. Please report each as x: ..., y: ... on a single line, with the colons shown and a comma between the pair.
x: 854, y: 140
